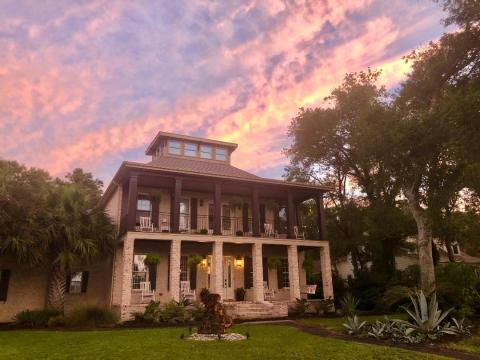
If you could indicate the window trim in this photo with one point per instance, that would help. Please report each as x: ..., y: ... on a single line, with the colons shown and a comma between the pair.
x: 180, y: 147
x: 195, y: 154
x: 221, y: 149
x: 210, y: 152
x: 82, y: 284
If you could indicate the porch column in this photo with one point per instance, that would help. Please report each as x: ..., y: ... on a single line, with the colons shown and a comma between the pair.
x: 290, y: 214
x: 326, y: 268
x: 132, y: 202
x: 322, y: 228
x: 293, y: 273
x: 257, y: 265
x: 217, y: 212
x: 175, y: 253
x: 177, y: 194
x: 126, y: 268
x: 255, y: 213
x: 217, y: 268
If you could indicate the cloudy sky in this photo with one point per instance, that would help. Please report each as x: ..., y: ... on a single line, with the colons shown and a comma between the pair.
x: 89, y: 83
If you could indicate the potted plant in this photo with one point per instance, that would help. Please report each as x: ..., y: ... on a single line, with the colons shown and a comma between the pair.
x: 203, y: 232
x: 240, y: 294
x: 272, y: 205
x: 274, y: 262
x: 239, y: 233
x: 151, y: 260
x: 194, y: 259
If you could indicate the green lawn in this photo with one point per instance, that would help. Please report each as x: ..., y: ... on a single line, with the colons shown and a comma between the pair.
x: 471, y: 344
x: 266, y: 342
x: 336, y: 324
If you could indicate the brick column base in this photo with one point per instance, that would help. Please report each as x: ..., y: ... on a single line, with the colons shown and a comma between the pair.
x: 294, y: 275
x: 175, y: 253
x: 257, y: 264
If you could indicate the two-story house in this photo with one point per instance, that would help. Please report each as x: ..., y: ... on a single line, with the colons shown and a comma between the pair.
x: 205, y: 224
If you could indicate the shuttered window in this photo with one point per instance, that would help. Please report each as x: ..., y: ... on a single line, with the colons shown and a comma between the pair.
x: 77, y: 282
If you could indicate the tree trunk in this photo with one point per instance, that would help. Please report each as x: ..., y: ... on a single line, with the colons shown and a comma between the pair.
x: 424, y: 242
x: 451, y: 255
x: 56, y: 289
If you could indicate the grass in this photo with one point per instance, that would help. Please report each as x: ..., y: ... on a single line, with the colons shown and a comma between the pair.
x: 266, y: 342
x: 471, y: 344
x: 336, y: 324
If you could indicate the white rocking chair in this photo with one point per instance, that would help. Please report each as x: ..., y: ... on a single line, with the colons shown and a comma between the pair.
x: 186, y: 292
x: 268, y: 230
x: 146, y: 223
x: 268, y: 294
x: 146, y: 290
x: 298, y: 234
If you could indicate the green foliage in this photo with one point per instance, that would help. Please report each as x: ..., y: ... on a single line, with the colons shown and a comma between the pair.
x: 240, y: 294
x: 274, y: 262
x: 354, y: 326
x: 349, y: 304
x: 57, y: 321
x: 152, y: 259
x: 204, y: 232
x: 35, y: 318
x: 301, y: 306
x: 323, y: 306
x: 194, y: 259
x: 204, y: 293
x: 394, y: 297
x: 175, y: 312
x: 426, y: 316
x: 91, y: 316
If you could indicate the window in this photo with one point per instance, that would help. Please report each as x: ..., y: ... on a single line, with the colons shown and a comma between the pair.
x: 174, y: 147
x: 77, y: 282
x: 139, y: 271
x: 144, y: 205
x: 284, y: 273
x: 220, y: 154
x: 205, y: 152
x: 190, y: 150
x: 4, y: 282
x: 183, y: 268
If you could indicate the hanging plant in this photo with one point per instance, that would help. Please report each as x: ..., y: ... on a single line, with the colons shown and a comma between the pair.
x: 194, y: 259
x: 272, y: 205
x: 274, y: 262
x: 151, y: 260
x: 308, y: 264
x: 155, y: 193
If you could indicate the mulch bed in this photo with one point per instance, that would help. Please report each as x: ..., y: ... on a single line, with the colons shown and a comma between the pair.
x: 426, y: 348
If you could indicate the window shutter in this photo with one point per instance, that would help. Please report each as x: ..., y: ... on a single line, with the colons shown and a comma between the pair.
x: 67, y: 283
x: 4, y: 281
x: 279, y: 277
x: 262, y: 217
x: 152, y: 276
x: 193, y: 276
x: 246, y: 228
x: 193, y: 213
x: 265, y: 269
x: 247, y: 273
x: 155, y: 208
x: 84, y: 281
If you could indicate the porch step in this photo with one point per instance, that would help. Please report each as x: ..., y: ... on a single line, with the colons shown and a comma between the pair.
x: 251, y: 310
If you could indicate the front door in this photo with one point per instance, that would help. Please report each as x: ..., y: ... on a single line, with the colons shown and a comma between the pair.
x: 228, y: 278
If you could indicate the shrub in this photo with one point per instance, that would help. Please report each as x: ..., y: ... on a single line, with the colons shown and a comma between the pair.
x: 354, y: 326
x: 91, y: 316
x: 204, y: 294
x: 239, y: 233
x: 240, y: 294
x: 204, y: 232
x: 151, y: 260
x: 301, y: 306
x: 323, y: 306
x: 394, y: 297
x: 57, y: 321
x: 35, y: 318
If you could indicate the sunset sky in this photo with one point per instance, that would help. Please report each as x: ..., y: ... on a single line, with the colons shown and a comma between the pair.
x: 89, y: 83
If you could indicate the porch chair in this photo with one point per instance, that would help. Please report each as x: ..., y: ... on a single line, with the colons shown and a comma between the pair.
x: 268, y: 230
x: 146, y: 223
x: 146, y: 290
x: 298, y: 234
x: 164, y: 223
x: 268, y: 294
x: 186, y: 292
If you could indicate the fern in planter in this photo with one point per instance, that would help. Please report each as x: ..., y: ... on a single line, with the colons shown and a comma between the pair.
x: 151, y: 260
x: 194, y: 259
x: 203, y: 232
x: 240, y: 294
x: 274, y: 262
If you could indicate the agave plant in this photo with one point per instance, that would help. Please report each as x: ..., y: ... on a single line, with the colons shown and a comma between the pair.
x: 349, y: 304
x: 458, y: 328
x: 353, y: 325
x: 427, y: 317
x: 378, y: 330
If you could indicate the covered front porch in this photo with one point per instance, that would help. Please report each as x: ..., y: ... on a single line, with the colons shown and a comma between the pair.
x: 250, y: 271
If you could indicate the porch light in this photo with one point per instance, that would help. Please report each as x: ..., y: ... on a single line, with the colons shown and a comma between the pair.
x: 239, y: 262
x: 203, y: 263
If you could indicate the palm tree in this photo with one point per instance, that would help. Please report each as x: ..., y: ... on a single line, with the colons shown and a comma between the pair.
x: 79, y: 234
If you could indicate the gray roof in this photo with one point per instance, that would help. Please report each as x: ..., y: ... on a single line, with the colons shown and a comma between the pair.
x: 201, y: 167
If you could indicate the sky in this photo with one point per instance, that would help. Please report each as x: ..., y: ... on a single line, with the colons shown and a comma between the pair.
x: 89, y: 83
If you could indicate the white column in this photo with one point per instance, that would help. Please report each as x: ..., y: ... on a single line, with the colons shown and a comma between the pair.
x: 175, y: 253
x: 257, y: 265
x: 293, y: 273
x: 217, y: 268
x: 326, y: 266
x: 127, y: 268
